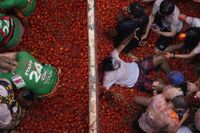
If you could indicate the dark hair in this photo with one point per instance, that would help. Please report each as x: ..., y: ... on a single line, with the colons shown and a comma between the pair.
x: 107, y: 64
x: 136, y: 9
x: 184, y: 88
x: 192, y: 38
x: 166, y: 7
x: 180, y: 102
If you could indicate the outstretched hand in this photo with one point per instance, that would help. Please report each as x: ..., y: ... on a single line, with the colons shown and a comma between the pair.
x: 7, y: 64
x: 168, y: 55
x: 113, y: 97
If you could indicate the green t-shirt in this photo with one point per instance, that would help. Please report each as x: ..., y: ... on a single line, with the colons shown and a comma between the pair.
x: 32, y: 75
x: 25, y: 7
x: 5, y: 26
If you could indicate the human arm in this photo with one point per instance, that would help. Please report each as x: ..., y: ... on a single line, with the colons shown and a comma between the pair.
x: 151, y: 20
x: 192, y: 21
x: 167, y: 34
x: 8, y: 62
x: 182, y: 56
x: 173, y: 47
x: 6, y: 4
x: 125, y: 42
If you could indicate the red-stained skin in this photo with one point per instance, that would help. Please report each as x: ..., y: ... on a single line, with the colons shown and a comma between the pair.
x: 57, y: 35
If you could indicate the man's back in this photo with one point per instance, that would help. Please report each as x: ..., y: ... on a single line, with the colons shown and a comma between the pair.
x: 158, y: 116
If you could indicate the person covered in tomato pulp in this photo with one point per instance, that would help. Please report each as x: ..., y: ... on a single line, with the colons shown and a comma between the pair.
x: 11, y: 31
x: 161, y: 115
x: 38, y: 80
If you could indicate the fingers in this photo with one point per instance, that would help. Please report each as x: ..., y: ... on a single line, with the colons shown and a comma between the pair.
x: 7, y: 64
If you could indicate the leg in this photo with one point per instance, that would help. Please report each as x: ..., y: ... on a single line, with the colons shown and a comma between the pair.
x: 159, y: 60
x: 141, y: 100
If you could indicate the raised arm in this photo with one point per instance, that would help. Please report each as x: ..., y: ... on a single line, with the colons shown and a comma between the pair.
x: 125, y: 42
x: 181, y: 56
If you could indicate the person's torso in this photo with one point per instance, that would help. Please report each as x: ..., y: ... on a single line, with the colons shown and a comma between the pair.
x: 156, y: 116
x: 126, y: 75
x: 32, y: 75
x: 5, y: 114
x: 173, y: 18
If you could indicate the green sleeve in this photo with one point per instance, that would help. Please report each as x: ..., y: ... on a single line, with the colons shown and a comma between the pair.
x: 6, y: 4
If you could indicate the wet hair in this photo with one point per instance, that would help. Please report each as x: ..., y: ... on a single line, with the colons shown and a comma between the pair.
x: 192, y: 38
x: 181, y: 104
x: 184, y: 88
x: 136, y: 9
x: 107, y: 64
x: 166, y: 7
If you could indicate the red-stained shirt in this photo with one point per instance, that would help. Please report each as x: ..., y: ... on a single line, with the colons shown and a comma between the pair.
x: 158, y: 116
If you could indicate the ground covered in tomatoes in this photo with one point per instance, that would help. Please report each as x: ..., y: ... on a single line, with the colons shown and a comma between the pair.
x: 57, y: 35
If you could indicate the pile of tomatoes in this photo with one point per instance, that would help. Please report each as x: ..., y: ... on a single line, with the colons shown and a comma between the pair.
x: 57, y: 35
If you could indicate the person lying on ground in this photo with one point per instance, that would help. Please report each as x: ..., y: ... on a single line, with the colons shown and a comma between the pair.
x: 11, y: 31
x: 164, y: 21
x: 134, y: 74
x: 38, y: 80
x: 161, y: 115
x: 11, y: 112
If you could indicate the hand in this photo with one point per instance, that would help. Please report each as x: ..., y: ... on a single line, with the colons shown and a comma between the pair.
x: 192, y: 88
x: 168, y: 55
x: 197, y: 96
x: 113, y: 97
x: 156, y: 30
x: 182, y: 17
x: 144, y: 37
x: 134, y: 58
x: 7, y: 64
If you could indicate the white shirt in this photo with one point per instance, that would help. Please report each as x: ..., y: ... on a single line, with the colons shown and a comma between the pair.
x: 5, y: 115
x: 184, y: 129
x: 126, y: 75
x: 193, y: 22
x: 172, y: 20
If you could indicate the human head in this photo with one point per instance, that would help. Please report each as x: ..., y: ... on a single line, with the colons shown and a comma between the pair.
x: 136, y: 10
x: 109, y: 64
x: 192, y: 38
x: 176, y: 78
x: 166, y: 8
x: 180, y: 105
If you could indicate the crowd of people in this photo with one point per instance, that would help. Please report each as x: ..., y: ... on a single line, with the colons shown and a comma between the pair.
x: 168, y: 109
x: 20, y: 70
